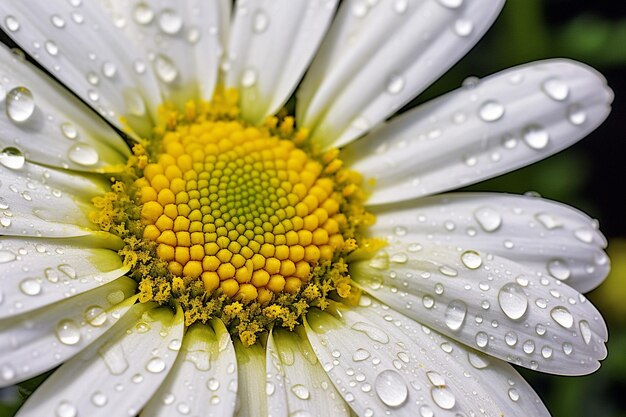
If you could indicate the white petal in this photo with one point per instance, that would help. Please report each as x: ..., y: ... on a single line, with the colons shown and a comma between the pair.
x: 118, y: 374
x: 505, y: 386
x: 37, y: 342
x: 50, y: 126
x: 81, y: 45
x: 251, y: 392
x: 38, y: 272
x: 489, y: 303
x: 307, y: 388
x: 37, y: 201
x: 379, y: 55
x: 207, y: 364
x: 276, y: 383
x: 185, y: 39
x: 387, y: 366
x: 272, y: 43
x: 509, y: 120
x: 539, y: 234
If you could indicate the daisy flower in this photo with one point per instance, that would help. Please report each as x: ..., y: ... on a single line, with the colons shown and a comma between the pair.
x: 178, y: 237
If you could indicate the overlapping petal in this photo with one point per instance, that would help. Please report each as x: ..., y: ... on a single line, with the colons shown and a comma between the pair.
x: 379, y: 55
x: 251, y: 392
x: 203, y: 380
x: 383, y: 363
x: 41, y: 340
x: 489, y: 303
x: 539, y: 234
x: 509, y: 120
x: 46, y: 124
x: 272, y: 43
x: 119, y: 373
x: 82, y: 45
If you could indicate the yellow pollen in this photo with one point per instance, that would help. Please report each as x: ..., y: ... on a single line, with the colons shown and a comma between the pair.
x: 245, y: 223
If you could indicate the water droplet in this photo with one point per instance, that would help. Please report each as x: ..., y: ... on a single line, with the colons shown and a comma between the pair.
x: 20, y: 104
x: 83, y: 154
x: 143, y: 14
x: 548, y: 221
x: 576, y: 115
x: 170, y: 21
x: 193, y: 35
x: 400, y: 6
x: 301, y: 392
x: 559, y: 269
x: 584, y: 235
x: 555, y: 88
x: 513, y: 301
x: 373, y: 332
x: 57, y: 21
x: 426, y: 411
x: 546, y: 352
x: 513, y: 394
x: 66, y: 409
x: 213, y: 384
x: 471, y: 259
x: 463, y: 27
x: 260, y: 22
x: 30, y: 286
x: 448, y: 271
x: 95, y: 316
x: 395, y: 84
x: 109, y: 69
x: 399, y: 258
x: 52, y: 48
x: 13, y: 25
x: 443, y: 397
x: 12, y: 158
x: 155, y: 365
x: 482, y: 339
x: 360, y: 355
x: 488, y: 219
x: 455, y: 314
x: 391, y: 388
x: 116, y: 297
x: 69, y: 131
x: 249, y: 77
x: 510, y: 338
x: 491, y: 111
x: 428, y: 301
x: 585, y: 331
x: 68, y: 332
x: 99, y: 399
x: 536, y: 137
x: 562, y: 316
x: 165, y: 69
x: 452, y: 4
x: 528, y: 347
x: 7, y: 256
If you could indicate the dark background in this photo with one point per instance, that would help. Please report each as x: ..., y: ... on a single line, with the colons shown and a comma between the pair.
x: 590, y: 175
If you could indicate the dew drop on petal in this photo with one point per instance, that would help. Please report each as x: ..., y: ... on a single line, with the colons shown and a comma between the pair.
x: 491, y: 111
x: 559, y: 269
x: 95, y: 316
x: 57, y: 21
x: 143, y: 14
x: 170, y: 21
x: 443, y: 397
x: 20, y: 104
x: 391, y: 388
x: 395, y: 84
x: 51, y: 48
x: 482, y: 339
x: 576, y: 115
x: 513, y: 301
x: 109, y: 69
x: 165, y: 69
x: 452, y: 4
x: 66, y: 409
x: 68, y: 332
x: 463, y: 27
x: 12, y: 158
x: 455, y: 314
x: 488, y: 219
x: 69, y: 131
x: 471, y: 259
x: 301, y: 392
x: 510, y: 338
x: 30, y: 286
x: 99, y: 399
x: 155, y: 365
x: 83, y: 154
x: 249, y: 78
x: 12, y: 24
x: 536, y: 137
x: 555, y: 88
x: 360, y: 355
x: 260, y: 22
x: 585, y: 331
x: 562, y: 316
x: 513, y: 394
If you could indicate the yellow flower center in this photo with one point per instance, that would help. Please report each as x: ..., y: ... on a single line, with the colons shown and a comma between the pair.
x: 246, y: 223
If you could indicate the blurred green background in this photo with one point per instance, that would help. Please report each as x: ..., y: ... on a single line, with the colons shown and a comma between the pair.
x: 588, y: 176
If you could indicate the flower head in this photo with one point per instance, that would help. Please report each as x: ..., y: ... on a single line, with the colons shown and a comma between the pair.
x: 198, y: 247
